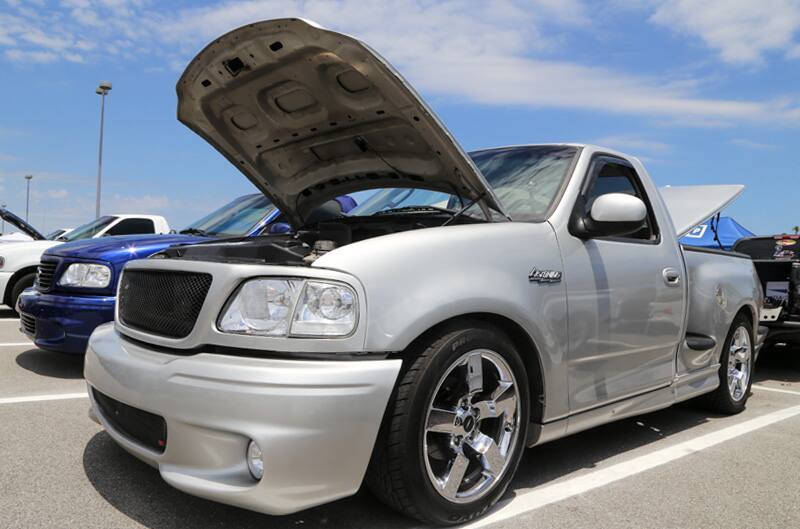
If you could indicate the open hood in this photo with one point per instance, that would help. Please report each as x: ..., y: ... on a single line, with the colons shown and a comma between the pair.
x: 690, y: 205
x: 21, y: 225
x: 308, y: 114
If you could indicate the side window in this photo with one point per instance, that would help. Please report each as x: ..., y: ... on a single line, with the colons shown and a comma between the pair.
x: 132, y: 227
x: 611, y: 177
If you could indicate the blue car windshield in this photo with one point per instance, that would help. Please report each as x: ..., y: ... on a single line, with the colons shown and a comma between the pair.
x: 236, y: 219
x: 525, y: 179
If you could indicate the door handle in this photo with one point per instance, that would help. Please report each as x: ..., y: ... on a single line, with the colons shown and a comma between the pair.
x: 672, y: 277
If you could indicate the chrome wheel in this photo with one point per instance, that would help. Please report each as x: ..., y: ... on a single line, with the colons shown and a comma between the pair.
x: 739, y: 364
x: 472, y: 426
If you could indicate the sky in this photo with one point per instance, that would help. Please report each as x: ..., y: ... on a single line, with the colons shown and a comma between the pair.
x: 702, y: 91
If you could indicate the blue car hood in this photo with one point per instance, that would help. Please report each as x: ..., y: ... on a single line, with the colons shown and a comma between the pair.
x: 122, y: 247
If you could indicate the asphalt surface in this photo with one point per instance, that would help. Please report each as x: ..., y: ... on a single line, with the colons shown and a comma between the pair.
x: 679, y: 467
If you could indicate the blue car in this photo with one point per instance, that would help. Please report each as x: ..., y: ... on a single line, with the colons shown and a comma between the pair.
x: 75, y: 289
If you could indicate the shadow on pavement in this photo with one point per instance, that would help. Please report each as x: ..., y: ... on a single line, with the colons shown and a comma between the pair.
x: 6, y: 313
x: 50, y: 364
x: 137, y: 490
x: 586, y: 450
x: 780, y: 364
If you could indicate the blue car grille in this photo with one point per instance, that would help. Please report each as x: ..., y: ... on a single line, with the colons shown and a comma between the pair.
x: 28, y: 323
x: 46, y: 274
x: 162, y: 302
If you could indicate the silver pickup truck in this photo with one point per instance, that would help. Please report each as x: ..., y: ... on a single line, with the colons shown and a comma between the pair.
x: 469, y: 307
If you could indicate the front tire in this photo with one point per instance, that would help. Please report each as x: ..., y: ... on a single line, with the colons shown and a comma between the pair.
x: 455, y: 429
x: 736, y: 370
x: 22, y: 283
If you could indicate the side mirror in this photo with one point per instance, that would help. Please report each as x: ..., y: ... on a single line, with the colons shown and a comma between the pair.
x: 614, y: 214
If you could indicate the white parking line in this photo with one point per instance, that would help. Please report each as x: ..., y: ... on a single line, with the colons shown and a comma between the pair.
x: 15, y: 344
x: 776, y: 390
x: 40, y: 398
x: 548, y: 494
x: 9, y: 320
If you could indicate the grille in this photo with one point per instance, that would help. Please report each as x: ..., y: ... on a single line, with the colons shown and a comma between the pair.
x: 162, y: 302
x: 147, y: 428
x: 28, y: 323
x: 45, y: 275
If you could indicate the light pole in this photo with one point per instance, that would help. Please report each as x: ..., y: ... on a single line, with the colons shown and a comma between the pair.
x: 102, y: 90
x: 28, y: 178
x: 3, y: 229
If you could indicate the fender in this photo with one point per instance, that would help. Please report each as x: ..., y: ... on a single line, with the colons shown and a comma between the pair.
x: 450, y: 276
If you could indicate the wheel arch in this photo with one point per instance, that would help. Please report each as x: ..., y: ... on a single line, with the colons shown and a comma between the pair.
x: 13, y: 281
x: 521, y: 339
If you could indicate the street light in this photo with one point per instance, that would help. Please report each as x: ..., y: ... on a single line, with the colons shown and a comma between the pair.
x: 28, y: 177
x: 102, y: 90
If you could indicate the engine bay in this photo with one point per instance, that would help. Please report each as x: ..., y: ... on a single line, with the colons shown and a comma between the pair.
x: 310, y: 242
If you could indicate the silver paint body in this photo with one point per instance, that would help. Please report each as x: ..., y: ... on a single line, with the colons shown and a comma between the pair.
x: 609, y: 336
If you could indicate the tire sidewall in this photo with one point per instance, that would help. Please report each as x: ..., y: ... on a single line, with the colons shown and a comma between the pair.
x: 422, y: 490
x: 20, y: 285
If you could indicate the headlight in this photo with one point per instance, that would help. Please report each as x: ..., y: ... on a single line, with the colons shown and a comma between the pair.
x: 2, y: 262
x: 281, y: 307
x: 86, y: 275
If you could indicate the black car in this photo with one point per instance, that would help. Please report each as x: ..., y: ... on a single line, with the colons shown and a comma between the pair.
x: 777, y: 261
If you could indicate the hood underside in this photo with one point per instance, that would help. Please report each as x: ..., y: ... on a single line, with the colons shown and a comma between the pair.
x: 690, y: 205
x: 308, y: 114
x: 21, y: 225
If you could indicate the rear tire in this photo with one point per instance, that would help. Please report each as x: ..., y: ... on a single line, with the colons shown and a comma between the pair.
x: 22, y: 283
x: 736, y: 370
x: 455, y: 429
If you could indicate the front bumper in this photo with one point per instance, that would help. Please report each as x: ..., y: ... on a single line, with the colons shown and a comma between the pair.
x: 315, y: 421
x: 63, y: 322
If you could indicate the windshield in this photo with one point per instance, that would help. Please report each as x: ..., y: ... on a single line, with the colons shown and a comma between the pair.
x: 236, y: 219
x: 53, y: 234
x: 393, y: 198
x: 525, y: 179
x: 88, y: 230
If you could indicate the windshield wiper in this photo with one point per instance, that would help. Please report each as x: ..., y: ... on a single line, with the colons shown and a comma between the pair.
x: 414, y: 209
x: 194, y: 231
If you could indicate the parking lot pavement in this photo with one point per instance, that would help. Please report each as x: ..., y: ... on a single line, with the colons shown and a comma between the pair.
x: 679, y: 467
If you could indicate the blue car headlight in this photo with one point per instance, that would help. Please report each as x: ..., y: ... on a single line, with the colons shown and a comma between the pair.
x: 86, y: 275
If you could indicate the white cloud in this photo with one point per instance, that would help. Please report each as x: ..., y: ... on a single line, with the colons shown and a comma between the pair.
x: 17, y: 55
x: 137, y: 204
x: 754, y: 145
x: 741, y: 31
x: 496, y: 52
x: 633, y: 144
x: 58, y: 194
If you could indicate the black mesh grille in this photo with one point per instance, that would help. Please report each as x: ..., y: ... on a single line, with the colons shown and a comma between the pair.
x: 45, y: 274
x: 28, y: 323
x: 139, y: 425
x: 162, y: 302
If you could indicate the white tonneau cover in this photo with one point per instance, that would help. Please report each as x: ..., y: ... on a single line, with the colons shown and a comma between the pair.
x: 690, y: 205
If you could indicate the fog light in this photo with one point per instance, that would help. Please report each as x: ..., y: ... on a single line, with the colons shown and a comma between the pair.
x: 254, y: 462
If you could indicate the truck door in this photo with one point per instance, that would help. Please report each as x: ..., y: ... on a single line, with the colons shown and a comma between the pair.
x: 625, y: 298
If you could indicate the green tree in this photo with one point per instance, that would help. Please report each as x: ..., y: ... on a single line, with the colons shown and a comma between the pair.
x: 796, y: 230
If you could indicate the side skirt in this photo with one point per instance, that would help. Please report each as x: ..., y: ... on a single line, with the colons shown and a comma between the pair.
x: 683, y: 388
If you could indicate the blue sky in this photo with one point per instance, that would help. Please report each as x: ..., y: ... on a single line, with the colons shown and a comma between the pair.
x: 703, y: 91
